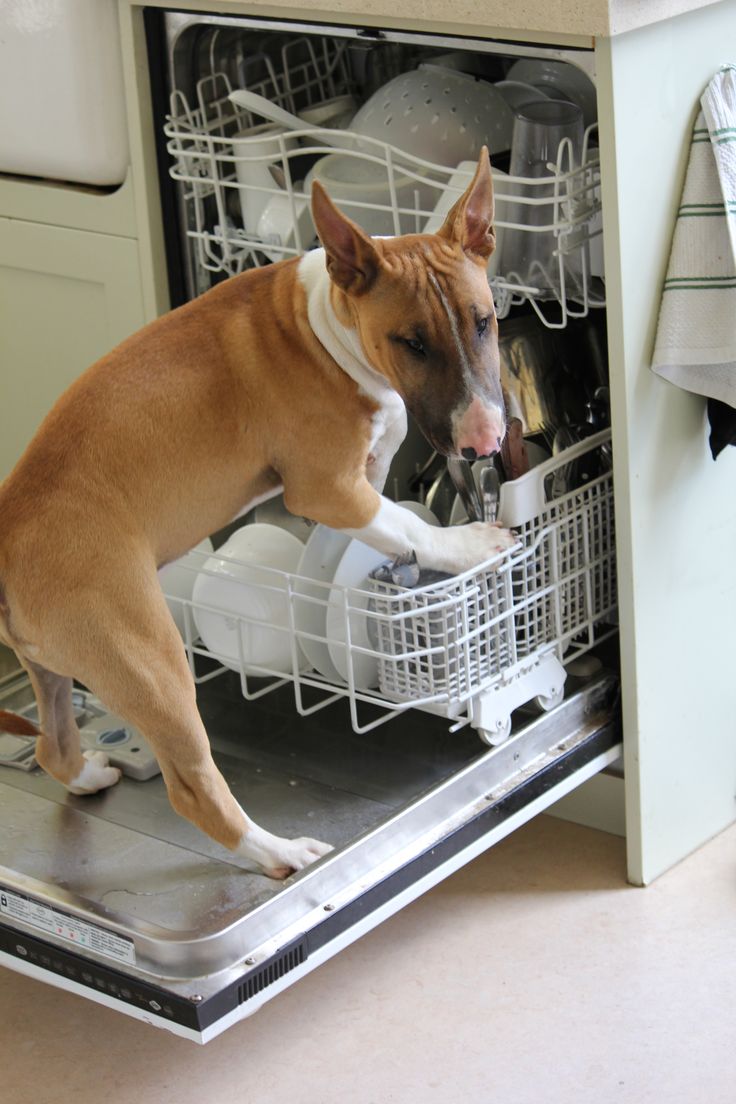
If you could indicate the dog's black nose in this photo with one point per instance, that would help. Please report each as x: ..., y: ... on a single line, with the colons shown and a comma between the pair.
x: 470, y: 454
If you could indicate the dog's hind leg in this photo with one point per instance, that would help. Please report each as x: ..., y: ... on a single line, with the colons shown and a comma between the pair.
x: 58, y: 748
x: 146, y: 679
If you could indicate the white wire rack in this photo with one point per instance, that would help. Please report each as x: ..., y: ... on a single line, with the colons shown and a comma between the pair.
x: 471, y: 647
x: 221, y: 169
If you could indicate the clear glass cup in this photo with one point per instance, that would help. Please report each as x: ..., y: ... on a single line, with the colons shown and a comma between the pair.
x: 529, y: 254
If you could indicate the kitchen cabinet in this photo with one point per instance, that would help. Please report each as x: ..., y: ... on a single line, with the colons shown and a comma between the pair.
x: 70, y: 289
x: 676, y: 509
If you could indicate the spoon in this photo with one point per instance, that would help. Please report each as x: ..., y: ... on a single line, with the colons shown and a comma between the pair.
x: 259, y: 105
x: 490, y: 490
x: 462, y: 476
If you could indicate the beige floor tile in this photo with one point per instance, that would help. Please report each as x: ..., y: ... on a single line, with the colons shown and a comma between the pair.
x: 535, y: 975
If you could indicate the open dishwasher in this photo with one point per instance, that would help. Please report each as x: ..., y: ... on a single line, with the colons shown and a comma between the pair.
x: 410, y: 721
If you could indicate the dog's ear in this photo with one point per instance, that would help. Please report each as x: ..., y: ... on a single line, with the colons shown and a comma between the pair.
x: 470, y: 221
x: 353, y: 261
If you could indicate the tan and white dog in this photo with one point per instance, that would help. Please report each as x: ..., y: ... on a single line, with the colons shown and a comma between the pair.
x: 294, y: 376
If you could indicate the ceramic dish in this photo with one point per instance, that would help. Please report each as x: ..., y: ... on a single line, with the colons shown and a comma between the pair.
x: 420, y: 510
x: 243, y: 580
x: 177, y: 582
x: 319, y: 561
x: 355, y: 566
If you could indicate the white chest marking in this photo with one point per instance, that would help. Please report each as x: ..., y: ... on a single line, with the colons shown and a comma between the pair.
x: 344, y: 346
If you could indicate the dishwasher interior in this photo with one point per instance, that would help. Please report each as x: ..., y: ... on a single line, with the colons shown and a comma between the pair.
x: 409, y: 718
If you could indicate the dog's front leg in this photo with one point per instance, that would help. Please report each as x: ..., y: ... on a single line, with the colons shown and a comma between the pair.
x: 358, y: 510
x: 399, y: 532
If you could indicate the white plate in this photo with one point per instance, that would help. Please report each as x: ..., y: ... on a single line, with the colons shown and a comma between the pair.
x: 420, y: 510
x: 177, y: 581
x: 319, y: 561
x: 356, y: 564
x: 237, y: 581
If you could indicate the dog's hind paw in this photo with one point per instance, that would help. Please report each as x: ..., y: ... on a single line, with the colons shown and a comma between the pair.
x: 95, y: 775
x: 278, y: 857
x: 298, y: 853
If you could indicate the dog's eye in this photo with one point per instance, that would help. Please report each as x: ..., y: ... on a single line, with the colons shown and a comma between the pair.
x: 482, y: 326
x: 415, y: 345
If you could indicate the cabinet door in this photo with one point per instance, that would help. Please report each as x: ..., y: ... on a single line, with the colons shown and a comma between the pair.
x: 66, y: 298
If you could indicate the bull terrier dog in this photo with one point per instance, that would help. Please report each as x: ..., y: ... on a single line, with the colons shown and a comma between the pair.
x: 295, y: 377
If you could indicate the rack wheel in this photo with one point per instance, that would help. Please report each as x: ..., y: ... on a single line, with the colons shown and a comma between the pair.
x: 550, y: 701
x: 494, y: 737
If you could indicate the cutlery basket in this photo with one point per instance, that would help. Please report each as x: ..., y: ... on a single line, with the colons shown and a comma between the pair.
x: 490, y: 630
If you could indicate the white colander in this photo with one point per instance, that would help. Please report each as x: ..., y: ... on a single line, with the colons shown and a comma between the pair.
x: 437, y: 114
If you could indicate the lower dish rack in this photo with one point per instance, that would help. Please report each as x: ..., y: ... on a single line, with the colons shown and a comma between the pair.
x: 471, y: 648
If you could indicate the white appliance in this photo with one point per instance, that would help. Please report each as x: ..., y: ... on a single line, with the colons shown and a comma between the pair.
x: 451, y: 721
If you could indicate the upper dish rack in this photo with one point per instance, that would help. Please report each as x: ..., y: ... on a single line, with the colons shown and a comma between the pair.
x: 244, y: 200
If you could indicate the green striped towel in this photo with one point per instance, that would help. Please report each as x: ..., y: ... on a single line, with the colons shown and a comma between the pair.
x: 696, y: 334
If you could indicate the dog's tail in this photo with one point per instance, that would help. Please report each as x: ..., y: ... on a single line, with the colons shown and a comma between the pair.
x: 19, y: 726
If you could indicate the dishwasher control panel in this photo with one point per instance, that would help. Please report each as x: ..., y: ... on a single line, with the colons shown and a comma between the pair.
x: 99, y: 729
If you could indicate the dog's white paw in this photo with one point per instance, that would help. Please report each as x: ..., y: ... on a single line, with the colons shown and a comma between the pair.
x: 279, y: 857
x: 465, y: 546
x: 492, y: 538
x: 95, y: 775
x: 297, y: 854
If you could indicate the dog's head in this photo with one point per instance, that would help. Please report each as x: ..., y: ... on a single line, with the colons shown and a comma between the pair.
x: 424, y: 312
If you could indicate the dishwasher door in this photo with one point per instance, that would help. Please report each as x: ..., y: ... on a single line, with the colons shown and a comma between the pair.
x: 117, y: 899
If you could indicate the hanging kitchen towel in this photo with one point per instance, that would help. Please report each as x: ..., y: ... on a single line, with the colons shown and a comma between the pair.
x: 696, y: 335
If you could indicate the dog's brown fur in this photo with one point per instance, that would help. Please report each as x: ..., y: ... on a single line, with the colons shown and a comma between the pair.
x: 164, y: 441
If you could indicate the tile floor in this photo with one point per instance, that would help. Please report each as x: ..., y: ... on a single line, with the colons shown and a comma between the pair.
x: 535, y: 975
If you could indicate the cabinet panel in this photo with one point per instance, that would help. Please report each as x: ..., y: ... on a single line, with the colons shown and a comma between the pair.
x: 675, y: 508
x: 66, y: 298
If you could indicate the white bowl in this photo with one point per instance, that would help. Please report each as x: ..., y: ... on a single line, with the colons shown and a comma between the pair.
x: 177, y: 582
x: 352, y: 181
x: 243, y: 581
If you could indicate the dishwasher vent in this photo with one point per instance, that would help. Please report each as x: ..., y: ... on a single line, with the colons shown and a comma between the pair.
x: 286, y: 961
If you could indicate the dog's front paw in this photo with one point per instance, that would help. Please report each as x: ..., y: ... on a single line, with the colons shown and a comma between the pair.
x: 489, y: 539
x: 95, y: 775
x: 463, y: 547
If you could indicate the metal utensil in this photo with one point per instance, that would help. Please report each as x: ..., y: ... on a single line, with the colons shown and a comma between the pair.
x: 461, y: 474
x: 490, y: 491
x: 441, y: 496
